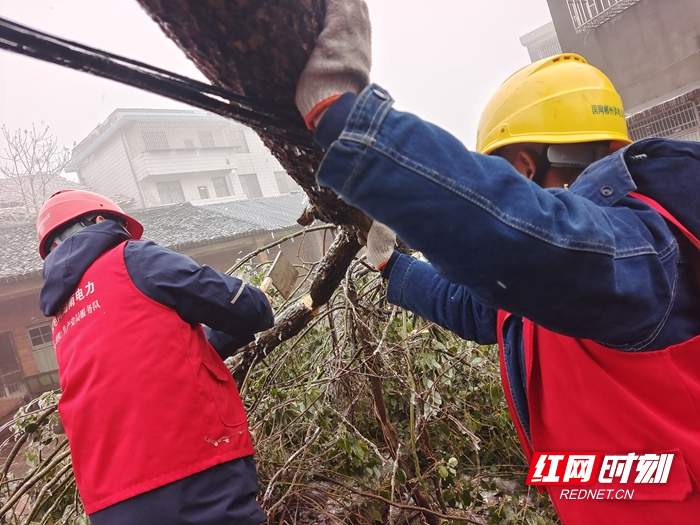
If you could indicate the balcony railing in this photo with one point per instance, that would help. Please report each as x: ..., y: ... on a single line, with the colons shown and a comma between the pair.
x: 672, y: 122
x: 587, y: 14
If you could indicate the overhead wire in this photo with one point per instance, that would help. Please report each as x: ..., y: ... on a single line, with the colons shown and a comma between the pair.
x: 254, y: 113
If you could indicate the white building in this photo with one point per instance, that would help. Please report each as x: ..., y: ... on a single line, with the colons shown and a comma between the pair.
x: 542, y: 42
x: 166, y: 156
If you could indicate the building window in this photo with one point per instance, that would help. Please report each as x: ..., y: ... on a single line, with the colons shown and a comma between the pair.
x: 154, y: 135
x: 587, y: 14
x: 235, y: 138
x: 549, y: 48
x: 674, y: 121
x: 42, y: 347
x: 206, y: 139
x: 285, y: 184
x: 170, y: 192
x: 692, y: 137
x: 220, y: 186
x: 250, y: 185
x: 203, y: 192
x: 282, y: 181
x: 160, y: 135
x: 11, y: 381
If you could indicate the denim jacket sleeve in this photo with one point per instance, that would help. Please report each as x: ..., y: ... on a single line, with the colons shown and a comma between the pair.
x: 595, y: 265
x: 416, y: 286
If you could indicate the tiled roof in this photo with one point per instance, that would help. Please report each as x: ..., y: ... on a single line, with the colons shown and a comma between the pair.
x: 182, y: 226
x: 19, y: 256
x: 177, y: 226
x: 270, y: 213
x: 13, y: 193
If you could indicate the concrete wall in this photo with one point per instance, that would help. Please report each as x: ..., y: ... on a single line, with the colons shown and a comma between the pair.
x: 109, y: 171
x: 190, y: 183
x: 650, y: 49
x: 261, y: 162
x: 182, y: 161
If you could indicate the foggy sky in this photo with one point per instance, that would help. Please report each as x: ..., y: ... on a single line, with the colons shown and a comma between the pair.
x: 440, y: 59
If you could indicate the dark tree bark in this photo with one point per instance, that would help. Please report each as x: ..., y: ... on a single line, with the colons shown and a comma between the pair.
x: 258, y: 49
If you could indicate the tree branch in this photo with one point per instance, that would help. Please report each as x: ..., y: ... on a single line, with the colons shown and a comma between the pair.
x: 324, y: 282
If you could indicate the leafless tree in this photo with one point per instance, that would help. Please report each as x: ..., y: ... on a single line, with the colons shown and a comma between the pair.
x: 31, y: 162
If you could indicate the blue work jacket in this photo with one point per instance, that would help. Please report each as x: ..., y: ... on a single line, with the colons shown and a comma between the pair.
x: 588, y: 262
x: 221, y: 494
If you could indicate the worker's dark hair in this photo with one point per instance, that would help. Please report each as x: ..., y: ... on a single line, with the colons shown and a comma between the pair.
x: 85, y: 220
x: 116, y: 218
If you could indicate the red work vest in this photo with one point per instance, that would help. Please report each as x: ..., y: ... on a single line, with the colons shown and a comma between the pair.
x: 584, y: 397
x: 146, y: 400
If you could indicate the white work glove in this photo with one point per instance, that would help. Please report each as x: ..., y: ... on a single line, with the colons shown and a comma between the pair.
x: 341, y: 60
x: 381, y: 241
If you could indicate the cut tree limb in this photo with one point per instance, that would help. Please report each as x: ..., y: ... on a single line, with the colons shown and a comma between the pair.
x: 325, y: 281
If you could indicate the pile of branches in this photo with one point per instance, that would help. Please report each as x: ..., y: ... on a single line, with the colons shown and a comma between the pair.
x: 37, y: 485
x: 370, y: 415
x: 374, y: 415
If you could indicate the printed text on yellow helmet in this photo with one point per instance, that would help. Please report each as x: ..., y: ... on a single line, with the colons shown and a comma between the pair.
x: 558, y: 100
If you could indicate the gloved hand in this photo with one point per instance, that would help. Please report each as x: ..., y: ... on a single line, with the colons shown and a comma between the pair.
x: 341, y: 60
x: 381, y: 241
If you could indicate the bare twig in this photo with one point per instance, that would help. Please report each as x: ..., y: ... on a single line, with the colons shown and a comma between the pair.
x: 29, y: 483
x: 309, y: 441
x: 422, y: 510
x: 279, y: 241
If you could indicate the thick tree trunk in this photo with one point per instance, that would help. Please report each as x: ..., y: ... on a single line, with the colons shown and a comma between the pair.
x: 258, y: 49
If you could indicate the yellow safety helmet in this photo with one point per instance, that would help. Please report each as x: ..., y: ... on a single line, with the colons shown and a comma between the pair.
x: 559, y: 100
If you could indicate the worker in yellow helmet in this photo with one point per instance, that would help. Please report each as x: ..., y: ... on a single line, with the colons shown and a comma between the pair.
x: 571, y: 247
x: 558, y: 112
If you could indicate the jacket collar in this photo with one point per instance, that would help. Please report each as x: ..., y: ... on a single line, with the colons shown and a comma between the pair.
x: 66, y: 264
x: 606, y: 181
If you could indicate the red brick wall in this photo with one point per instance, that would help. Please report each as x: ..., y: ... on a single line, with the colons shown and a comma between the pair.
x: 15, y: 315
x: 9, y: 406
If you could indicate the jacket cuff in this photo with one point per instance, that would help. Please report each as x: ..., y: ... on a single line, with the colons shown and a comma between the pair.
x: 389, y: 265
x: 331, y: 125
x: 397, y: 273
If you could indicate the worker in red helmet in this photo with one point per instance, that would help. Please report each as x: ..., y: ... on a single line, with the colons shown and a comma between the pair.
x: 575, y: 250
x: 157, y: 429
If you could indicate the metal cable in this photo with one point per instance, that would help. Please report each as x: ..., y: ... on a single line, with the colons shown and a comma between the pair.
x: 253, y: 113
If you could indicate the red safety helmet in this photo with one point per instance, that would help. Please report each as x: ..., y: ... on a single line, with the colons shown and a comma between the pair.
x: 67, y: 205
